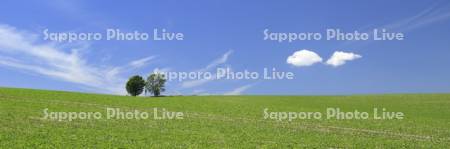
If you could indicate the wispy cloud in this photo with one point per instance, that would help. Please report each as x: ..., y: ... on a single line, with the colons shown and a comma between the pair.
x: 430, y: 15
x: 162, y: 70
x: 141, y: 62
x: 200, y: 92
x: 239, y: 90
x: 194, y: 83
x: 219, y: 61
x: 21, y: 50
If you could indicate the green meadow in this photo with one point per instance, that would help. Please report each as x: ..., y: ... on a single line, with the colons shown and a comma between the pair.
x: 221, y: 121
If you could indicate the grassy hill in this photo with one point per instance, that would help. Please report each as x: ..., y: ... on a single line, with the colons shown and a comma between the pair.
x: 221, y: 121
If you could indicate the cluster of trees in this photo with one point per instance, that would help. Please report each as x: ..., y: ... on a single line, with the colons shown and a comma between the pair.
x: 154, y: 84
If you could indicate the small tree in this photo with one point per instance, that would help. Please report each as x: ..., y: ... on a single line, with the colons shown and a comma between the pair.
x: 155, y: 84
x: 135, y: 85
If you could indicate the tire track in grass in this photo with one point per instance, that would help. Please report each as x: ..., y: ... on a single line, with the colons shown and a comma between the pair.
x: 316, y: 127
x: 321, y: 128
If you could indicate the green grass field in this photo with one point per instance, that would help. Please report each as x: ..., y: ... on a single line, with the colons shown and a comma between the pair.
x: 221, y: 122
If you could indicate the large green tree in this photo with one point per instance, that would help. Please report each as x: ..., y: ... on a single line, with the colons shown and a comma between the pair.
x: 135, y: 85
x: 155, y: 84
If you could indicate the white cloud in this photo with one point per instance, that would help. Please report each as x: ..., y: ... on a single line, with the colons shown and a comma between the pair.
x: 239, y: 90
x: 340, y: 58
x: 303, y: 58
x: 21, y: 50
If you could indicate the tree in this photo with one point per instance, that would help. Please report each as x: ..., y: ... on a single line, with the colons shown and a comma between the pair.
x: 135, y: 85
x: 155, y: 84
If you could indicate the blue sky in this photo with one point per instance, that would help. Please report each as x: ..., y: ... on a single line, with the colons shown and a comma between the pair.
x: 226, y: 34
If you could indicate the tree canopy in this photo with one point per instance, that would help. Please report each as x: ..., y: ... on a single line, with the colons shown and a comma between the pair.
x: 155, y: 84
x: 135, y: 85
